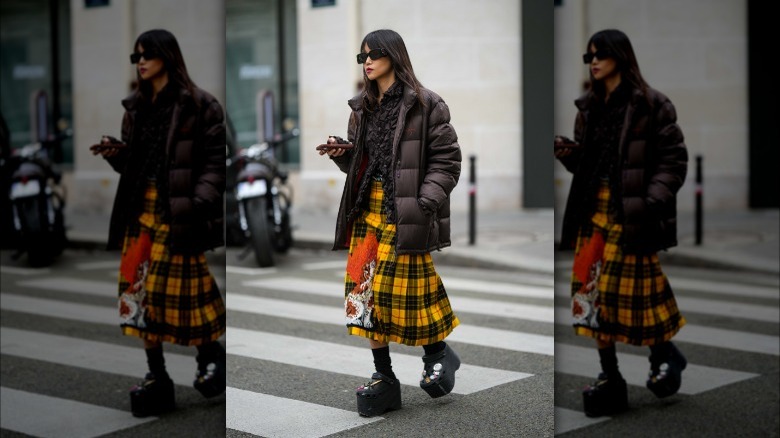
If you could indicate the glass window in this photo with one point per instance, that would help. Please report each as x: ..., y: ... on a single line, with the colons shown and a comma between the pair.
x: 26, y: 67
x: 261, y: 54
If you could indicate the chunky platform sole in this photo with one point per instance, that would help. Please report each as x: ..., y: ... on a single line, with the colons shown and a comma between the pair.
x: 605, y: 397
x: 152, y: 397
x: 438, y: 377
x: 212, y: 383
x: 666, y: 382
x: 381, y: 395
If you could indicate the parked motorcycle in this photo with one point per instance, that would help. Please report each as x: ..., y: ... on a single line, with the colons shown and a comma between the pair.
x: 262, y: 201
x: 38, y: 200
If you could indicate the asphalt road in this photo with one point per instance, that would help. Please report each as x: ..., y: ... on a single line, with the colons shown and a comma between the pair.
x: 730, y: 387
x: 293, y: 369
x: 66, y: 367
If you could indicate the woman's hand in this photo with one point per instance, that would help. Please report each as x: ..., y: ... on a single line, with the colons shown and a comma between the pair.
x: 563, y: 146
x: 106, y: 152
x: 333, y: 152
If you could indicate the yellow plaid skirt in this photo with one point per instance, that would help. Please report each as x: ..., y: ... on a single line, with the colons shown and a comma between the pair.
x: 390, y: 297
x: 164, y: 296
x: 619, y: 297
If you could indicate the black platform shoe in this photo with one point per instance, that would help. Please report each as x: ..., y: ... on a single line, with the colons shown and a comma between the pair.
x: 665, y: 374
x: 379, y: 395
x: 210, y: 379
x: 152, y: 397
x: 605, y: 396
x: 438, y: 376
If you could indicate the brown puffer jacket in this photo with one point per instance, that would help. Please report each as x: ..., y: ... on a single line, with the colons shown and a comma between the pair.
x: 195, y: 156
x: 654, y: 163
x: 427, y: 166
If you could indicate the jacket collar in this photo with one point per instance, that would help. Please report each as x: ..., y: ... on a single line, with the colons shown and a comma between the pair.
x: 410, y: 96
x: 584, y: 102
x: 131, y: 102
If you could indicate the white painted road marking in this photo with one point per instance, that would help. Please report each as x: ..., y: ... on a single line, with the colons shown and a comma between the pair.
x: 487, y: 337
x: 727, y: 309
x: 45, y: 416
x: 709, y: 336
x: 75, y: 285
x: 271, y: 416
x: 529, y: 312
x: 354, y: 361
x: 567, y: 420
x: 91, y: 355
x: 584, y: 362
x: 306, y: 285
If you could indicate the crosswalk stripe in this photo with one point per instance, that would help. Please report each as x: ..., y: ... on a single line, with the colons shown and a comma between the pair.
x: 342, y: 264
x: 249, y: 271
x: 91, y: 355
x: 354, y: 361
x: 706, y: 286
x: 567, y: 420
x: 721, y: 288
x: 709, y: 336
x: 272, y: 417
x: 89, y: 266
x: 728, y: 309
x: 303, y: 284
x: 584, y: 362
x: 45, y: 416
x: 488, y: 337
x: 462, y: 304
x: 24, y: 271
x: 60, y: 309
x: 75, y: 285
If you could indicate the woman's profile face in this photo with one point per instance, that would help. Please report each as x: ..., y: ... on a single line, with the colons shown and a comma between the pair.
x: 376, y: 68
x: 149, y: 68
x: 602, y: 68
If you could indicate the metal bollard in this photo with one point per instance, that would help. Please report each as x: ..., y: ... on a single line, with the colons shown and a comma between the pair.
x: 699, y: 191
x: 472, y: 200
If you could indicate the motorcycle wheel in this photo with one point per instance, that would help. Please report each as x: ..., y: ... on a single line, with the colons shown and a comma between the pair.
x: 35, y: 236
x: 256, y: 210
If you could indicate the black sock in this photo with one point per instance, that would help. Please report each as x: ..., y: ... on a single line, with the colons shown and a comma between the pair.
x: 382, y: 361
x: 434, y: 348
x: 156, y: 362
x: 660, y: 352
x: 609, y: 362
x: 210, y: 353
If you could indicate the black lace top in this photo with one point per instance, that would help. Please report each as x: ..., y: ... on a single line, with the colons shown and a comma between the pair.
x: 152, y: 125
x: 378, y: 143
x: 603, y: 136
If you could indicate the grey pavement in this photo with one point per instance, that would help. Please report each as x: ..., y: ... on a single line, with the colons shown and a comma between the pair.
x: 523, y: 239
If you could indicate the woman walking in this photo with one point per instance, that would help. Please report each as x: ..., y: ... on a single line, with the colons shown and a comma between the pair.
x: 167, y: 212
x: 395, y: 210
x: 629, y: 160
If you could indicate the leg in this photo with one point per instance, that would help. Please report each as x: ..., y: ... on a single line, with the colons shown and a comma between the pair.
x: 666, y: 366
x: 155, y: 395
x: 439, y: 366
x: 211, y: 378
x: 383, y: 393
x: 609, y: 394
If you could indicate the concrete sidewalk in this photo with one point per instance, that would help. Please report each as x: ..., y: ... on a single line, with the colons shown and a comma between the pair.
x: 524, y: 239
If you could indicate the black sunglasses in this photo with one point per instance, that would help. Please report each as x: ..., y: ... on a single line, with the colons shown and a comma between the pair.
x: 374, y: 54
x: 147, y: 55
x: 600, y: 54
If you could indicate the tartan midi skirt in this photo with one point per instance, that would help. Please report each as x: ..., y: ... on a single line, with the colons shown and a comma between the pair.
x: 619, y: 297
x: 391, y: 297
x: 164, y: 296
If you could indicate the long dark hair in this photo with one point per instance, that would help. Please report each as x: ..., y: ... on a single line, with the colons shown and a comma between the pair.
x: 165, y: 45
x: 619, y: 45
x: 399, y: 60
